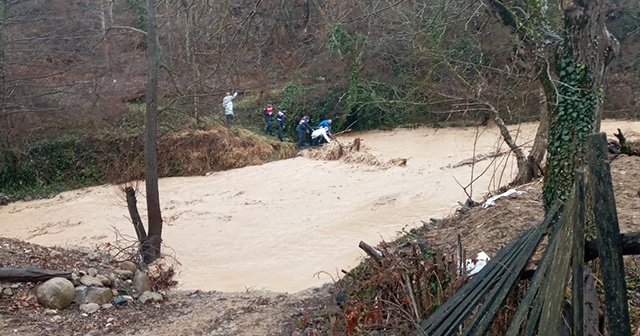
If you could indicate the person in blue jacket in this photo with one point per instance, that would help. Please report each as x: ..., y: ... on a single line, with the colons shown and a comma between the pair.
x: 303, y: 128
x: 280, y: 120
x: 326, y: 124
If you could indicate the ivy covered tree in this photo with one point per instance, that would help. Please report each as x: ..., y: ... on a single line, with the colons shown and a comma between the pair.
x: 571, y: 68
x: 581, y: 62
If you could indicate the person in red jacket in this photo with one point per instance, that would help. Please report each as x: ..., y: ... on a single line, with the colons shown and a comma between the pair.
x: 268, y: 116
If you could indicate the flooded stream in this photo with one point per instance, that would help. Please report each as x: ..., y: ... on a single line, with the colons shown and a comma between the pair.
x: 276, y: 225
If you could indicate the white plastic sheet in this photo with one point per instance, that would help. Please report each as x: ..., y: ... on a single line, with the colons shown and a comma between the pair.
x: 492, y: 201
x: 477, y: 263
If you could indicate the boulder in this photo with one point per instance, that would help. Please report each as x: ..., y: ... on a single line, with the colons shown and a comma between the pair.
x: 99, y: 295
x: 80, y: 295
x: 114, y: 280
x: 141, y: 283
x: 55, y: 293
x: 105, y: 281
x: 128, y: 266
x: 89, y: 308
x: 75, y: 279
x: 124, y: 274
x: 88, y: 281
x: 150, y: 297
x: 92, y: 272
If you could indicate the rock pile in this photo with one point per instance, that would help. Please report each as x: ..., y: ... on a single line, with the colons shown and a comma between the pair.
x: 92, y: 291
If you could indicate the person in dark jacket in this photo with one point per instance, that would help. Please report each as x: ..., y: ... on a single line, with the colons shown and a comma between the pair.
x: 280, y: 120
x: 303, y: 128
x: 268, y: 116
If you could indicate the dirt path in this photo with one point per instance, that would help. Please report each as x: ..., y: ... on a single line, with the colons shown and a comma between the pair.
x: 251, y: 313
x: 274, y: 226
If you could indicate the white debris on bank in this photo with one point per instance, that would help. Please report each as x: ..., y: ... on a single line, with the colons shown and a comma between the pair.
x: 492, y: 201
x: 476, y: 263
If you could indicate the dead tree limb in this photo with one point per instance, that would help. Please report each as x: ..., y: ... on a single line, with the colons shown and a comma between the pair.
x: 146, y: 246
x: 372, y: 252
x: 621, y: 139
x: 480, y: 157
x: 135, y: 216
x: 30, y: 274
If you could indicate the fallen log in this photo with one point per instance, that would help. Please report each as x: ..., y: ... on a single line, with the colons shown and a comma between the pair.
x: 480, y: 157
x: 30, y: 274
x: 630, y: 246
x: 373, y: 253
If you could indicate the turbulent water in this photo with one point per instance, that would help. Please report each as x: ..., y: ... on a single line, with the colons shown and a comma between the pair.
x: 281, y: 226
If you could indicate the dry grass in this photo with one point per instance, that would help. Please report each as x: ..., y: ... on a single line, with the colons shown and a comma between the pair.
x: 190, y: 153
x: 391, y: 297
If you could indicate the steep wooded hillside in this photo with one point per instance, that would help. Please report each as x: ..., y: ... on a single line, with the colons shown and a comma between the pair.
x: 77, y: 66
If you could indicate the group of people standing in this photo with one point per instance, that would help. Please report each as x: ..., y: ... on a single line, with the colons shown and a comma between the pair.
x: 320, y: 133
x: 267, y: 112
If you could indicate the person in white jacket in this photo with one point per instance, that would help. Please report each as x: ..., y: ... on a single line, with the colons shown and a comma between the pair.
x: 227, y: 104
x: 322, y: 131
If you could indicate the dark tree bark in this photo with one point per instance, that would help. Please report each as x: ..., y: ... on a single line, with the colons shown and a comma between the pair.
x: 132, y: 204
x: 9, y: 274
x: 574, y: 104
x: 531, y: 169
x: 372, y: 252
x: 150, y: 148
x: 630, y: 246
x: 587, y: 50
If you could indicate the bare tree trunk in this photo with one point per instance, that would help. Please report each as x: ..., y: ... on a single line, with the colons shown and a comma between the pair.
x: 533, y: 167
x: 104, y: 11
x: 5, y: 125
x: 3, y: 19
x: 150, y: 146
x: 132, y: 205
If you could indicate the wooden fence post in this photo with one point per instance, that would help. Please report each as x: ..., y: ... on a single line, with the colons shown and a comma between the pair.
x: 577, y: 279
x: 554, y: 287
x: 609, y: 242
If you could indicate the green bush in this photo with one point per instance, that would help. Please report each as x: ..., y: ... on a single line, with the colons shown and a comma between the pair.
x: 48, y: 165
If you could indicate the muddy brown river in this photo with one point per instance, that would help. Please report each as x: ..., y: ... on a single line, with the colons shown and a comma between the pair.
x: 277, y: 225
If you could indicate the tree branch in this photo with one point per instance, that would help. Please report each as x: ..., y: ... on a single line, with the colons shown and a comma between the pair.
x: 128, y: 28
